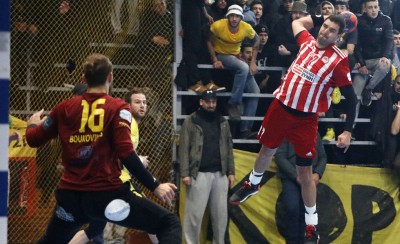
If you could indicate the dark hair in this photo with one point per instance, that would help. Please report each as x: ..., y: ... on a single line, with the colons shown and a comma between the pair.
x: 256, y: 2
x: 79, y: 89
x: 366, y: 1
x: 96, y: 69
x: 342, y: 2
x: 337, y: 19
x: 135, y: 90
x: 244, y: 45
x: 396, y: 32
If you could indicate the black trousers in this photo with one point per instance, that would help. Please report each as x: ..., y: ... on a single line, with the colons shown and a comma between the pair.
x: 194, y: 42
x: 76, y: 208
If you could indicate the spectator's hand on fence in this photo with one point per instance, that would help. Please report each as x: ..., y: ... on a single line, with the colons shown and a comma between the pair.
x: 35, y: 118
x: 64, y: 7
x: 344, y: 140
x: 145, y: 161
x: 160, y: 41
x: 321, y: 114
x: 166, y: 192
x: 187, y: 180
x: 363, y: 70
x: 218, y: 65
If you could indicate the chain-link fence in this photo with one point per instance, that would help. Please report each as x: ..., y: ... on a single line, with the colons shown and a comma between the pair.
x: 49, y: 41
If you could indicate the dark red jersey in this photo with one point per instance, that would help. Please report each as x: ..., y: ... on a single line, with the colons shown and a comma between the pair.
x: 94, y: 130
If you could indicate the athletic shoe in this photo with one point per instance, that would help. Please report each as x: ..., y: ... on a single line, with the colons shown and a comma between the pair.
x: 198, y: 88
x: 234, y: 112
x: 214, y: 87
x: 246, y: 191
x: 366, y: 97
x: 336, y: 95
x: 311, y: 235
x: 330, y: 135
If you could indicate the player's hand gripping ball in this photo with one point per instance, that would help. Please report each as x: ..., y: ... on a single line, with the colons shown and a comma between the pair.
x: 350, y: 21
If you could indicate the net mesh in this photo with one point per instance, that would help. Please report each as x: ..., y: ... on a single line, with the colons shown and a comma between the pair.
x: 49, y: 41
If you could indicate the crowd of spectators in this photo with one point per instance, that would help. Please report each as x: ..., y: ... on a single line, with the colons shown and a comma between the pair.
x: 373, y: 56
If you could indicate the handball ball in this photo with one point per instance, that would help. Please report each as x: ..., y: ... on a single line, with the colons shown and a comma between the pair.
x: 350, y: 21
x: 117, y: 210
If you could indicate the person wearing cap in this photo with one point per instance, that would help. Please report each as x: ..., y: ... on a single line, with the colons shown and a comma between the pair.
x: 224, y: 44
x: 248, y: 15
x: 286, y: 44
x: 207, y: 168
x: 327, y: 8
x: 265, y: 58
x: 304, y: 92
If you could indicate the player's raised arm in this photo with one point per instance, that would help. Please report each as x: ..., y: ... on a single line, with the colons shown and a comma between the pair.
x: 304, y: 23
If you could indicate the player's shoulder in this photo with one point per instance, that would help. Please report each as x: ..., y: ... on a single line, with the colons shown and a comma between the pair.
x: 339, y: 52
x: 122, y: 109
x: 304, y: 36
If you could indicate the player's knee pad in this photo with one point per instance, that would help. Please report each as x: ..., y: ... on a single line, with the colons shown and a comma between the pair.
x: 117, y: 210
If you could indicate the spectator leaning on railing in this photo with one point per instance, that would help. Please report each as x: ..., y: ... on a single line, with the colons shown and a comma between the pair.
x: 373, y: 51
x: 224, y: 45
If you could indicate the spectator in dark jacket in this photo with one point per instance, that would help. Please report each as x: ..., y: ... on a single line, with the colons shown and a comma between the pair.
x: 218, y: 9
x: 291, y: 191
x: 374, y: 50
x: 285, y: 42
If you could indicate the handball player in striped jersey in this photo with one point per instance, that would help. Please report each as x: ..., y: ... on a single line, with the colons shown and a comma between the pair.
x: 305, y: 90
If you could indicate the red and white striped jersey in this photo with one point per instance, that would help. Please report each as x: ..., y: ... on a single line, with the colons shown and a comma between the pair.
x: 309, y: 81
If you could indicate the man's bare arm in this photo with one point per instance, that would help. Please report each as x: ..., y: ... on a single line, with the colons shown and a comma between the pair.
x: 211, y: 48
x: 304, y: 23
x: 256, y: 45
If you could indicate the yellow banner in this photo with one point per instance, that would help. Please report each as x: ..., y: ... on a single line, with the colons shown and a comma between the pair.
x: 18, y: 147
x: 355, y: 205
